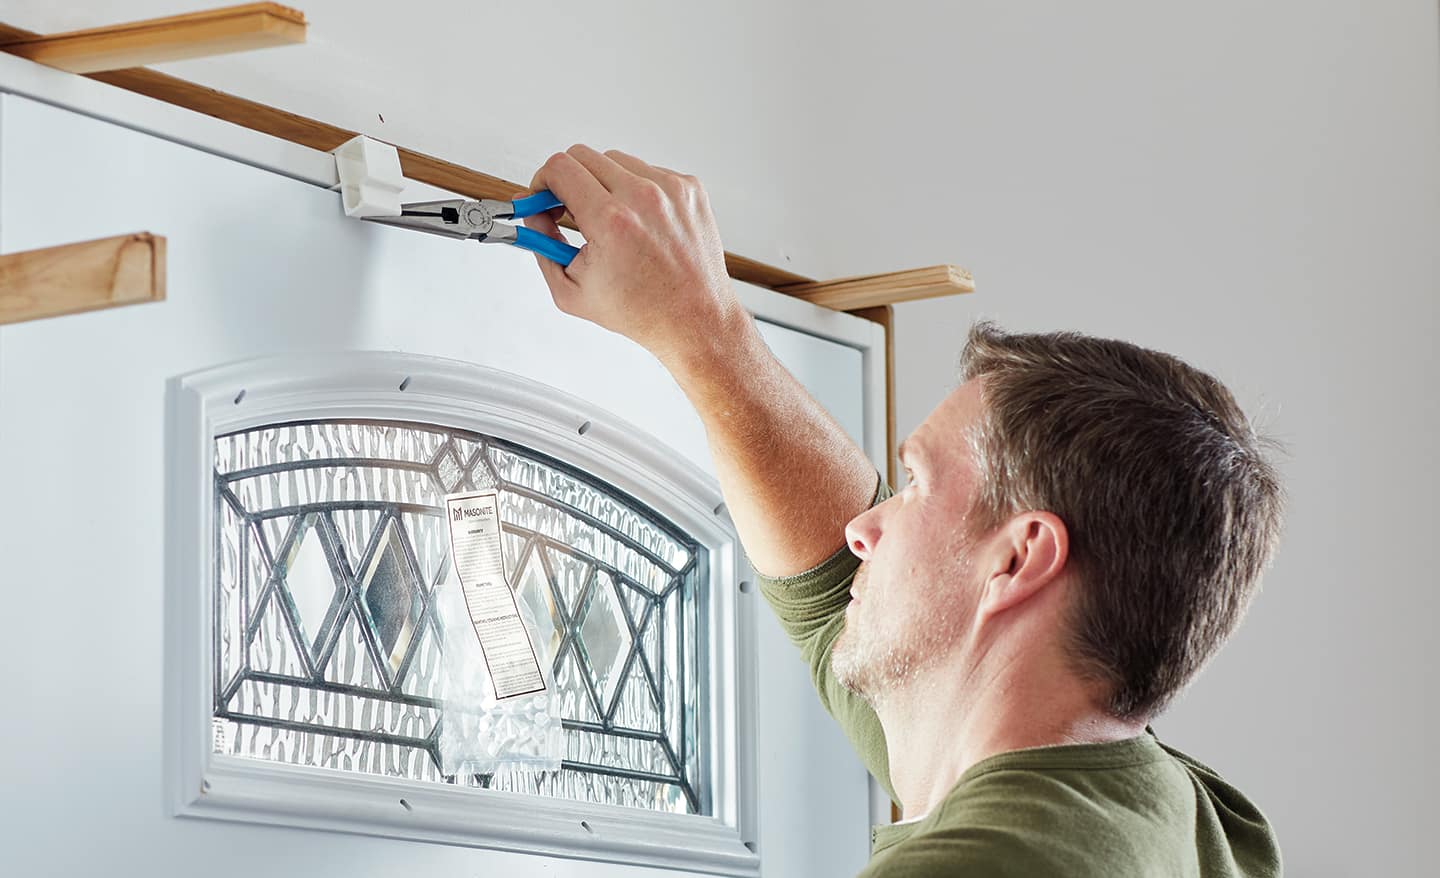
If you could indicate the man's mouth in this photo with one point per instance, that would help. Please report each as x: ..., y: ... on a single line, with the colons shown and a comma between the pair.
x: 861, y: 573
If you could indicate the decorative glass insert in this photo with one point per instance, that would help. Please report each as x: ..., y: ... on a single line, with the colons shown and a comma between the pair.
x: 330, y: 543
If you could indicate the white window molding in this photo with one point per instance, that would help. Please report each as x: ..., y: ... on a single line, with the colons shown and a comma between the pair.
x: 461, y: 396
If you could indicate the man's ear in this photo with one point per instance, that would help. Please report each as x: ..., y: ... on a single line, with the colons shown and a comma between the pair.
x: 1028, y: 553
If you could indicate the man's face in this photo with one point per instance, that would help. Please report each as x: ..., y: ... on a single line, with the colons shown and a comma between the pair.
x: 914, y: 597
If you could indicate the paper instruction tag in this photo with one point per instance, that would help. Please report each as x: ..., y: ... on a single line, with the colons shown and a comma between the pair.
x: 476, y: 551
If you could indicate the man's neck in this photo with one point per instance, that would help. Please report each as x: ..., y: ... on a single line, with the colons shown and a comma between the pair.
x: 946, y: 722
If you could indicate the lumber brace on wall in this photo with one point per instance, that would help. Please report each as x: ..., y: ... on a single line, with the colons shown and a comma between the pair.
x: 90, y: 275
x: 174, y: 38
x: 115, y: 54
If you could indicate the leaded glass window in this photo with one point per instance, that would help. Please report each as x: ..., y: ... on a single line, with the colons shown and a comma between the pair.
x: 329, y: 548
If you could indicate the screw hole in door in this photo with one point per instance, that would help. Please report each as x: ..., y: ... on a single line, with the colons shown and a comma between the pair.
x: 406, y: 805
x: 406, y: 383
x: 585, y: 825
x: 584, y: 428
x: 239, y: 396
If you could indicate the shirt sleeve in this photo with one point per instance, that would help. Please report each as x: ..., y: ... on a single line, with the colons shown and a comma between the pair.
x: 811, y: 608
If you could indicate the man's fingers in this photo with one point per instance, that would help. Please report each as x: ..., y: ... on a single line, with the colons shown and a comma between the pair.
x: 675, y: 184
x: 545, y: 224
x: 561, y: 282
x: 606, y: 170
x: 638, y: 167
x: 582, y: 193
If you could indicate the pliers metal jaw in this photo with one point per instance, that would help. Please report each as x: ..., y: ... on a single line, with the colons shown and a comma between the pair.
x: 462, y: 218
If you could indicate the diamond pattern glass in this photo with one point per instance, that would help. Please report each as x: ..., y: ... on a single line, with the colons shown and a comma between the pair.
x: 604, y: 635
x: 390, y: 591
x: 329, y: 541
x: 305, y: 572
x: 534, y: 589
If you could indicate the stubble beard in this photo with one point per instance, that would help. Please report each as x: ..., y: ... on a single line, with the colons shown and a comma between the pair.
x: 874, y: 663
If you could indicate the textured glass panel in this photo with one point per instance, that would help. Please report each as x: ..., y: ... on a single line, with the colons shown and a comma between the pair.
x: 650, y: 641
x: 636, y: 707
x: 448, y: 466
x: 614, y: 751
x: 325, y: 439
x: 275, y: 531
x: 351, y: 663
x: 429, y: 540
x: 334, y: 541
x: 422, y: 678
x: 230, y: 614
x: 514, y: 548
x: 356, y: 528
x: 581, y: 538
x: 330, y: 751
x: 574, y: 689
x: 567, y: 489
x: 690, y: 608
x: 570, y: 574
x: 636, y: 600
x: 674, y: 673
x: 467, y: 449
x: 272, y: 648
x: 333, y: 710
x: 309, y: 486
x: 599, y: 788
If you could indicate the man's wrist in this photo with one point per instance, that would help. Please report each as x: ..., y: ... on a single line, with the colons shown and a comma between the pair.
x: 713, y: 348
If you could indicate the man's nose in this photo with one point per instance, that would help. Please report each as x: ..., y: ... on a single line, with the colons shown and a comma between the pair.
x: 862, y: 532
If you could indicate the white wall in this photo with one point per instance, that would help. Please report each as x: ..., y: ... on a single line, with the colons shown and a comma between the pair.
x: 1255, y: 187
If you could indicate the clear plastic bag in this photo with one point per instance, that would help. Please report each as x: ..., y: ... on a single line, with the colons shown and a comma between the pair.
x: 482, y: 734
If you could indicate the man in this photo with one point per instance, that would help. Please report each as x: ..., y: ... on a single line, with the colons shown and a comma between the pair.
x: 1083, y: 525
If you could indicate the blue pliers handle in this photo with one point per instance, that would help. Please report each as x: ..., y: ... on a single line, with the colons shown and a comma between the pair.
x: 462, y: 218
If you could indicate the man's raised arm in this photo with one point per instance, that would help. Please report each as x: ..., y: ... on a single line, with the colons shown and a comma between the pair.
x: 653, y: 270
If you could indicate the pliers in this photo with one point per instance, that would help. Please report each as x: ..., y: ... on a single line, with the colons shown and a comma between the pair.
x: 462, y: 218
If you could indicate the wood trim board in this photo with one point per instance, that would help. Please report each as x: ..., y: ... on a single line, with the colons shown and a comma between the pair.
x: 325, y: 137
x: 868, y: 291
x: 844, y: 294
x: 885, y: 316
x: 87, y: 276
x: 157, y: 40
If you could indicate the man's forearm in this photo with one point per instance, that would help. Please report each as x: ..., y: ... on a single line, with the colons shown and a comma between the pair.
x: 790, y: 476
x: 653, y: 270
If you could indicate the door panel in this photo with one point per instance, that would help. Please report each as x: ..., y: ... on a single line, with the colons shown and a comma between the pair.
x: 260, y: 264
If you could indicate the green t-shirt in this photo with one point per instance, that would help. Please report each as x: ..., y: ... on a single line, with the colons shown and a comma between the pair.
x: 1129, y: 808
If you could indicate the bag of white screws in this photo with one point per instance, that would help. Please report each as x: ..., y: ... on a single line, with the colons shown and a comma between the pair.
x: 500, y: 713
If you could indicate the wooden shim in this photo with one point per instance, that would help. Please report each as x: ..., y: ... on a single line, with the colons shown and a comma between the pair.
x: 71, y: 278
x: 760, y: 274
x: 174, y: 38
x: 851, y: 293
x: 885, y: 316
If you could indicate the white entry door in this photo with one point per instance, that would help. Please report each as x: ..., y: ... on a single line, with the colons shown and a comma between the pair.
x: 262, y: 265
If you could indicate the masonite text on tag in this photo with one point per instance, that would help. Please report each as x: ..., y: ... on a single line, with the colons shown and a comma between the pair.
x: 477, y: 555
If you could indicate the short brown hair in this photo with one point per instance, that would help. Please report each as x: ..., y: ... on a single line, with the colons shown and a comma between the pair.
x: 1172, y: 509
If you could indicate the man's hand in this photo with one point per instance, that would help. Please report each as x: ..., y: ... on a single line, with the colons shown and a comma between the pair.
x: 652, y: 268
